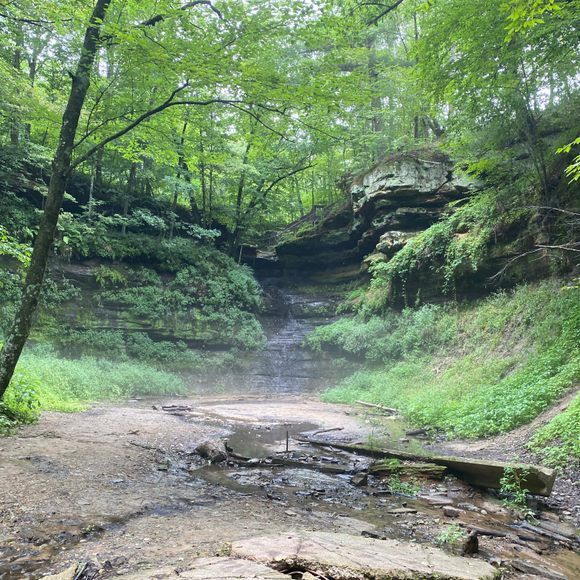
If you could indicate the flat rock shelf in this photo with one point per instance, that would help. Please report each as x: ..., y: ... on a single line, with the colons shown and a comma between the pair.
x: 346, y: 557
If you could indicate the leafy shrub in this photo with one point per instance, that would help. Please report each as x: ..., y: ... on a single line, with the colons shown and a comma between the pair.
x: 388, y: 337
x: 20, y: 403
x: 107, y: 277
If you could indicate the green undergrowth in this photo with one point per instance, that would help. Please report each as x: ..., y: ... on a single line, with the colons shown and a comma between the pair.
x: 470, y: 370
x: 44, y: 381
x: 559, y: 440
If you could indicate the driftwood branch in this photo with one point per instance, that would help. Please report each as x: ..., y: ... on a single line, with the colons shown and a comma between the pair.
x: 388, y: 410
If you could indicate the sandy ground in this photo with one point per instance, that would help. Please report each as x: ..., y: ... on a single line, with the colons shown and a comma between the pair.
x: 119, y: 485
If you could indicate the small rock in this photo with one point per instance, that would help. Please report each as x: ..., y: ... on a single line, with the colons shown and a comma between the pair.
x: 468, y: 506
x: 439, y: 501
x: 451, y: 512
x: 164, y: 465
x: 483, y: 512
x: 215, y: 452
x: 290, y: 513
x: 471, y: 545
x: 403, y: 440
x: 360, y: 479
x: 373, y: 535
x: 68, y: 574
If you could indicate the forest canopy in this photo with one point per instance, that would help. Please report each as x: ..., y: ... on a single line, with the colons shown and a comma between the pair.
x: 224, y: 121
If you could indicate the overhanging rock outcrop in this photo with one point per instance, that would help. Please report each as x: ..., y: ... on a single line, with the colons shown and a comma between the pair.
x: 389, y: 204
x: 400, y: 197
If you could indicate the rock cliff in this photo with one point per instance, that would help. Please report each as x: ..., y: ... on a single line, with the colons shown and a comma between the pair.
x: 389, y: 204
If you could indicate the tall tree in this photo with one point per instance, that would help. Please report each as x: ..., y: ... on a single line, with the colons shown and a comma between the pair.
x: 61, y: 167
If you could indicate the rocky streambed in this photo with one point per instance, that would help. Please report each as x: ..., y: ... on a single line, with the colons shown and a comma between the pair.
x: 122, y: 490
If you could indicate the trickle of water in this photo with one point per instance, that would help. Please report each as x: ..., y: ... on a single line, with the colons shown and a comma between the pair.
x: 286, y: 366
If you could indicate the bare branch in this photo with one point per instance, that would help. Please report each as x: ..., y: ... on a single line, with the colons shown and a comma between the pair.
x: 499, y: 274
x: 570, y: 247
x: 272, y: 185
x: 549, y: 208
x: 259, y: 120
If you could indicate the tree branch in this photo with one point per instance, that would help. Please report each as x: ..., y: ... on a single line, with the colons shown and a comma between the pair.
x: 384, y: 12
x: 169, y: 102
x: 272, y: 185
x: 160, y: 17
x: 259, y: 120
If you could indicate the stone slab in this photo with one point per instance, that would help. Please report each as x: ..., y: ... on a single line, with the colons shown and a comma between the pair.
x: 345, y: 557
x: 217, y: 568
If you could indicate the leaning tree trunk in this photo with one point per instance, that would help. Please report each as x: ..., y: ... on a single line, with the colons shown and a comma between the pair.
x: 61, y: 167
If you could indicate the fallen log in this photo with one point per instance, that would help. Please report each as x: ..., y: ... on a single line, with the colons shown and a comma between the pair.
x: 388, y: 410
x: 537, y: 479
x: 427, y: 470
x: 176, y: 408
x: 294, y: 463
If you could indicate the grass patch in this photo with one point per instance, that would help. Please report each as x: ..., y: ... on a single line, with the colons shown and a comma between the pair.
x: 44, y: 381
x: 473, y: 370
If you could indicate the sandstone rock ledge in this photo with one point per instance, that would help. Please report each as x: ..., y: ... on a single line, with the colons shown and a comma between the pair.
x: 345, y: 557
x: 217, y: 568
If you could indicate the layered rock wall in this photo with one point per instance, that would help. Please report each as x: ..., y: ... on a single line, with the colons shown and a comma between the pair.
x: 389, y: 204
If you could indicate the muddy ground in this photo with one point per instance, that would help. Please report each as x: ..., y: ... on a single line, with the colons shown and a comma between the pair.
x: 121, y: 486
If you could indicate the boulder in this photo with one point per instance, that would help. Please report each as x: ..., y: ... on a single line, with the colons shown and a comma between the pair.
x: 345, y: 557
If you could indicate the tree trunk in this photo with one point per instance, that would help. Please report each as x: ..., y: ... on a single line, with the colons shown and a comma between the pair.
x: 99, y: 170
x: 91, y: 196
x: 131, y: 186
x: 237, y: 233
x: 16, y: 63
x: 61, y: 167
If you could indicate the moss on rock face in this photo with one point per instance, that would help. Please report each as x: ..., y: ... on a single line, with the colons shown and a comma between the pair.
x: 391, y: 203
x: 208, y: 300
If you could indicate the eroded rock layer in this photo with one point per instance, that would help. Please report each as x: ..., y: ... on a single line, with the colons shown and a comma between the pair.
x: 392, y: 202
